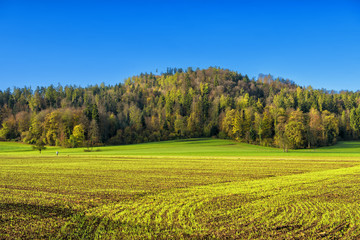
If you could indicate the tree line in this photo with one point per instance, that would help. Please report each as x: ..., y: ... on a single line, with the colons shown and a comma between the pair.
x: 181, y: 103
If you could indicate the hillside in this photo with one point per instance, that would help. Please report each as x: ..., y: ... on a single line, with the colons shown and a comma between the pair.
x: 179, y: 104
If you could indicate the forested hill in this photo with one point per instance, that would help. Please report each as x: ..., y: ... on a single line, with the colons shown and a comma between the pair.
x: 181, y: 104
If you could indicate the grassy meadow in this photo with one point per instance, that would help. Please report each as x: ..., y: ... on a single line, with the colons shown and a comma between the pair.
x: 183, y: 189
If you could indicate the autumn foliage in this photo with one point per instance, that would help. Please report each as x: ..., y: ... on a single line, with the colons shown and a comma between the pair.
x: 211, y: 102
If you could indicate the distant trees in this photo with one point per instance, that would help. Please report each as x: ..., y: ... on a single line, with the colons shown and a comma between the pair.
x: 9, y: 128
x: 295, y: 130
x: 78, y: 136
x: 355, y: 121
x: 314, y: 128
x: 180, y: 104
x: 39, y: 145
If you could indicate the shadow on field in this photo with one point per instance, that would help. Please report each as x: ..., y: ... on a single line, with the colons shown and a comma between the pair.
x: 342, y: 147
x: 39, y: 210
x: 81, y: 226
x: 92, y: 227
x: 194, y: 140
x: 347, y: 144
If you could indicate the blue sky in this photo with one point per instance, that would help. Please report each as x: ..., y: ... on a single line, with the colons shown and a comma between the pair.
x: 313, y: 43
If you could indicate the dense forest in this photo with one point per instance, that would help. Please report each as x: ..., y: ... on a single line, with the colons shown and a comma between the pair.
x: 181, y: 103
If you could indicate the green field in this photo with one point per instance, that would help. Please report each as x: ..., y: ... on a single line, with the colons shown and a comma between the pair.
x: 195, y: 188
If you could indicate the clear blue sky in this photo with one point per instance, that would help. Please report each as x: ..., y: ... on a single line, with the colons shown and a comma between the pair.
x: 88, y: 42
